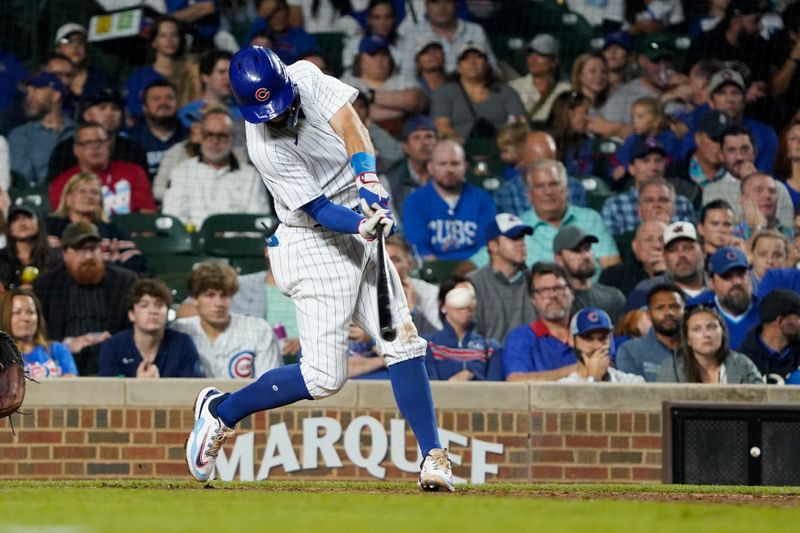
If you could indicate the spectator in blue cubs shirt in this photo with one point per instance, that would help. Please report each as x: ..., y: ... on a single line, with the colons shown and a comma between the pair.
x: 540, y: 350
x: 446, y: 218
x: 593, y: 341
x: 148, y: 349
x: 458, y: 352
x: 731, y: 293
x: 160, y: 128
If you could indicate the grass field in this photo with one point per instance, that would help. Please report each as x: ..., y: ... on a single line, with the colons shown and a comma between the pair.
x: 143, y: 506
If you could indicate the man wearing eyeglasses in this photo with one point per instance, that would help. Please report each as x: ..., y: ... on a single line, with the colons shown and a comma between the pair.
x: 540, y: 350
x: 124, y: 185
x: 215, y: 181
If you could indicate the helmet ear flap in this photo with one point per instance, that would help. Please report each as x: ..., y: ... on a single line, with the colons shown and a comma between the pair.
x: 294, y: 111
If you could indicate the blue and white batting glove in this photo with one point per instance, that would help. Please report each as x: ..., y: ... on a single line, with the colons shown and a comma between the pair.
x: 371, y: 194
x: 380, y: 220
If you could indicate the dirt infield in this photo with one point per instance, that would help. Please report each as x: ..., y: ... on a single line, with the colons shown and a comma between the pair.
x: 788, y: 497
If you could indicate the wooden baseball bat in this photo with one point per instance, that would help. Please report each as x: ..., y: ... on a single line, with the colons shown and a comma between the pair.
x: 385, y: 296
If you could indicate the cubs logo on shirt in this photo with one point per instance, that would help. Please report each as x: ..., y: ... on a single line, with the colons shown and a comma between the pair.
x: 240, y: 365
x: 47, y: 370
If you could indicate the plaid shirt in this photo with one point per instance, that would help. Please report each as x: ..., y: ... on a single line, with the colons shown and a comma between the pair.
x: 512, y: 196
x: 620, y: 212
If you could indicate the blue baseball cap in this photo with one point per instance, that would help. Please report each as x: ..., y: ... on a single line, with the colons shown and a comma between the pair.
x: 645, y: 146
x: 45, y: 79
x: 726, y: 259
x: 590, y: 319
x: 371, y: 44
x: 418, y: 123
x: 507, y: 225
x: 620, y: 38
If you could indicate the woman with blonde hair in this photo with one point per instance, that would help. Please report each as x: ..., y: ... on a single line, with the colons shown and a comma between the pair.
x: 82, y: 200
x: 703, y: 355
x: 22, y: 318
x: 590, y: 78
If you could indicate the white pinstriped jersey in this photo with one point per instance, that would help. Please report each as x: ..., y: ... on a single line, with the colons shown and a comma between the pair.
x: 246, y: 349
x: 300, y: 164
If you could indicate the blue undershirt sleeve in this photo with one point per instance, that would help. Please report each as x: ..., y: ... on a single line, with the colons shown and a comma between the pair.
x: 332, y: 216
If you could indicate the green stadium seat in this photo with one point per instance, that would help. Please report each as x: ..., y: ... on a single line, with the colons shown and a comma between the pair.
x: 331, y: 45
x: 511, y: 49
x: 177, y: 284
x: 624, y: 244
x: 156, y: 234
x: 486, y: 174
x: 162, y: 264
x: 604, y: 150
x: 248, y: 265
x: 236, y: 234
x: 37, y: 196
x: 597, y: 191
x: 437, y: 271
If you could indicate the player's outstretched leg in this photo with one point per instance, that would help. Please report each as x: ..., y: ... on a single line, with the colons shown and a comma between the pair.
x: 412, y: 392
x: 217, y: 413
x: 207, y: 437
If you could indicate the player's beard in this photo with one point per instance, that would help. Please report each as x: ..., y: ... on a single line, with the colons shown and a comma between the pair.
x: 88, y: 272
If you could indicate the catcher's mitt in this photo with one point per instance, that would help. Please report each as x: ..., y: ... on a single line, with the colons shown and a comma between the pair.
x: 12, y: 376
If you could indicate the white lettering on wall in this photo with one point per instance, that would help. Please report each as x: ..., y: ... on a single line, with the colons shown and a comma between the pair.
x: 320, y: 436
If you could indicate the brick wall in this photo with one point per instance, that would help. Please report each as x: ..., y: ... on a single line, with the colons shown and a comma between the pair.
x: 553, y: 436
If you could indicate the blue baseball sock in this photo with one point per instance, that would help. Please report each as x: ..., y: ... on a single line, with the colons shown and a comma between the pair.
x: 279, y: 386
x: 412, y: 392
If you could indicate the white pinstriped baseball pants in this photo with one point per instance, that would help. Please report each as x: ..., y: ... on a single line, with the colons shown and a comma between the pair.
x: 332, y: 279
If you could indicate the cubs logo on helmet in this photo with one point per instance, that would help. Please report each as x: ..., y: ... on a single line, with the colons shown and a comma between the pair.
x: 262, y: 86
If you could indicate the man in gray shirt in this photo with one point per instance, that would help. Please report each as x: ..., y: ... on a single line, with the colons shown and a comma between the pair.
x: 501, y: 287
x: 572, y: 249
x: 643, y: 356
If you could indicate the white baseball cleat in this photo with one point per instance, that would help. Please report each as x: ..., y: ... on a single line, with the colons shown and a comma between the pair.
x: 436, y: 471
x: 207, y: 437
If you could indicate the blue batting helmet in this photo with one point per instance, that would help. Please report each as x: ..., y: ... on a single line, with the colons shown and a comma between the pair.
x: 261, y: 85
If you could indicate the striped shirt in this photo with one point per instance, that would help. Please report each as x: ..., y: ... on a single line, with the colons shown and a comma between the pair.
x: 300, y: 164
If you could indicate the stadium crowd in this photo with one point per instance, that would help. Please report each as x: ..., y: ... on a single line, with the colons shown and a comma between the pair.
x: 586, y: 191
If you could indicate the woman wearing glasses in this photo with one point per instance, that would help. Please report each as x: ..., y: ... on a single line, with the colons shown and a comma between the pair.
x: 82, y: 200
x: 703, y: 355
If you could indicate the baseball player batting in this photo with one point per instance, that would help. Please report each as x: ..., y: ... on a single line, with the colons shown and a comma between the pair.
x: 317, y: 161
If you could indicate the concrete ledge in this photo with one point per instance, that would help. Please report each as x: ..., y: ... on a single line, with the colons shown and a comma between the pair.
x: 645, y: 397
x: 76, y: 392
x: 107, y: 392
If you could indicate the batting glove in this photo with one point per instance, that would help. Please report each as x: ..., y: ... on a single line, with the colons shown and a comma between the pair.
x: 371, y: 194
x: 381, y: 220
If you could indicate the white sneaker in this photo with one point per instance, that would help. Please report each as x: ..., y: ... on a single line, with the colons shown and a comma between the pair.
x: 436, y: 471
x: 206, y: 438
